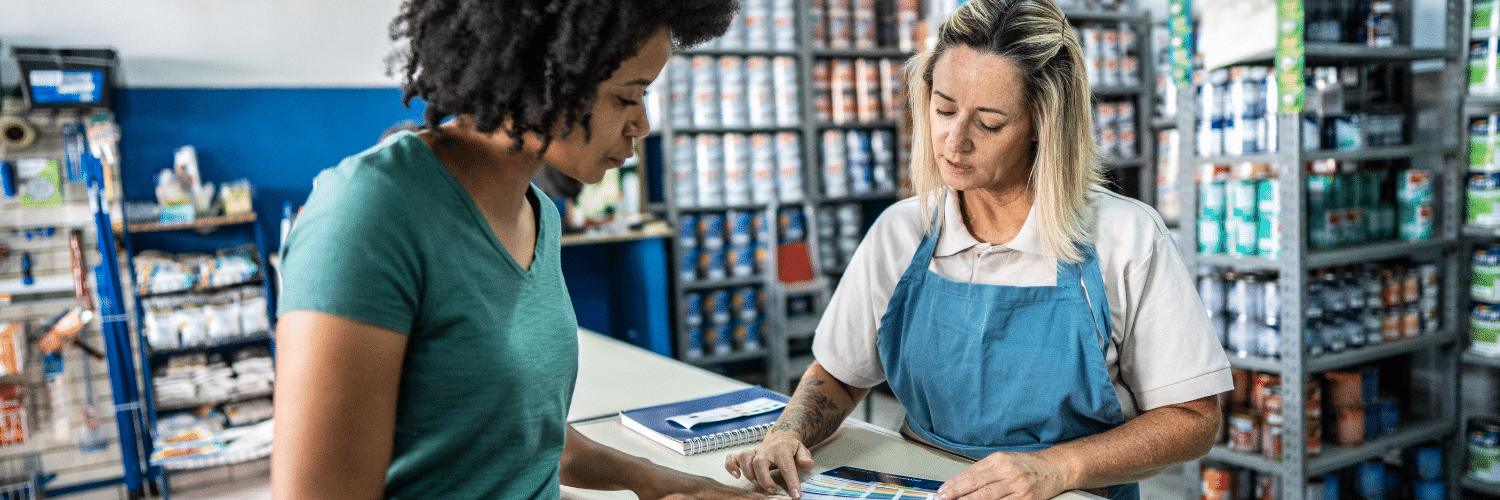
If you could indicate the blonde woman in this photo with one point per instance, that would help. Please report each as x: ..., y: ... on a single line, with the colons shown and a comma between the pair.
x: 1025, y: 317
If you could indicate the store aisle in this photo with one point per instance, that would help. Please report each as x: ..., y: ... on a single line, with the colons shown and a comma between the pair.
x: 251, y: 481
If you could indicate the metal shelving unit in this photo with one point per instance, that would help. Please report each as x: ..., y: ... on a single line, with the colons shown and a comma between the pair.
x: 1474, y: 235
x: 129, y: 239
x: 1432, y: 409
x: 777, y: 329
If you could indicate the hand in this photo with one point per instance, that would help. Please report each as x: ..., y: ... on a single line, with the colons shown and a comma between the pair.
x: 684, y: 486
x: 1018, y: 476
x: 782, y: 451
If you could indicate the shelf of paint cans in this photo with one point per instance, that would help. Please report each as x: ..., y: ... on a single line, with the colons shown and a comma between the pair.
x: 1478, y: 102
x: 731, y: 357
x: 747, y: 129
x: 1352, y: 356
x: 1222, y: 454
x: 1366, y: 430
x: 1377, y: 152
x: 1490, y: 487
x: 1320, y: 53
x: 1120, y: 90
x: 1352, y: 314
x: 1478, y: 231
x: 708, y: 284
x: 1098, y: 16
x: 737, y: 52
x: 889, y: 53
x: 1478, y: 359
x: 1338, y: 457
x: 725, y: 324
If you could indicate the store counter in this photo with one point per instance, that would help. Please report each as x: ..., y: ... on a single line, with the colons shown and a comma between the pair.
x: 614, y: 376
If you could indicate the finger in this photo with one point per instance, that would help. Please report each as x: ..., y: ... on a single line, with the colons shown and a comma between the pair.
x: 792, y: 483
x: 962, y: 484
x: 732, y: 465
x: 993, y: 491
x: 762, y: 468
x: 804, y: 458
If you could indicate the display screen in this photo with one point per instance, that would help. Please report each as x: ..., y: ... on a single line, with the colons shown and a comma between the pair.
x: 58, y: 86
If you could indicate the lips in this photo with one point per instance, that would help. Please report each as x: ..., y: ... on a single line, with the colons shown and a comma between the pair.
x: 957, y: 166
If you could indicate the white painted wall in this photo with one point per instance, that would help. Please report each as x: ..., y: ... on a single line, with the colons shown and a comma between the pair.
x: 215, y: 43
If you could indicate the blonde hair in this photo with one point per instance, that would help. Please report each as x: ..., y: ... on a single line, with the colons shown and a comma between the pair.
x: 1036, y: 37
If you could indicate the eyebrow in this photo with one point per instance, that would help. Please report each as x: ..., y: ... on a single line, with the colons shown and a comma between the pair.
x: 989, y: 110
x: 643, y: 82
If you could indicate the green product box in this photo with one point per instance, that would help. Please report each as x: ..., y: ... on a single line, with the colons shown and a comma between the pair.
x: 1482, y: 142
x: 1267, y: 236
x: 1483, y: 15
x: 1481, y: 67
x: 39, y: 181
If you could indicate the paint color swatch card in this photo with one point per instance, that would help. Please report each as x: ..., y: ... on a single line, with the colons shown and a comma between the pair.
x: 705, y: 424
x: 850, y: 482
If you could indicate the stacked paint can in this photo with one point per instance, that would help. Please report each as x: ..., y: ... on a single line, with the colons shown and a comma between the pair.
x: 1482, y: 60
x: 866, y: 24
x: 1235, y: 106
x: 1484, y: 172
x: 1349, y: 307
x: 1346, y: 208
x: 1414, y: 204
x: 857, y: 162
x: 1245, y: 311
x: 848, y: 91
x: 840, y: 229
x: 1110, y: 54
x: 734, y: 91
x: 716, y: 170
x: 1415, y: 473
x: 1222, y: 481
x: 1114, y: 129
x: 721, y: 245
x: 1484, y: 289
x: 761, y: 25
x: 1240, y: 213
x: 1255, y: 415
x: 1484, y: 449
x: 723, y: 320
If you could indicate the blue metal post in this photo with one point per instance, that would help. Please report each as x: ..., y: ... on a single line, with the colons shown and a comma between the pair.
x: 114, y: 326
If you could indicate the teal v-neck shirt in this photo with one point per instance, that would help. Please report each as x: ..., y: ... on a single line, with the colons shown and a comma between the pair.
x: 389, y: 237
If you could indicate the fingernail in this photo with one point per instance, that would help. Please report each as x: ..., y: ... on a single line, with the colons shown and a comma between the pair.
x: 735, y: 473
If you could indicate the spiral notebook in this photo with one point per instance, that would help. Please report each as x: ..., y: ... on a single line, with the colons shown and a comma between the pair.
x: 710, y: 423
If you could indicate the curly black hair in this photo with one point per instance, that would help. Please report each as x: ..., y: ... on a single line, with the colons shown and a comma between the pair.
x: 536, y: 63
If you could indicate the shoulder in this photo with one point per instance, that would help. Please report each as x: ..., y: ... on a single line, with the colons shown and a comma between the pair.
x: 900, y: 226
x: 385, y: 178
x: 1126, y: 231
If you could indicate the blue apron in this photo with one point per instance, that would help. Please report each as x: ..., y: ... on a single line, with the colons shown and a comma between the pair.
x: 988, y: 368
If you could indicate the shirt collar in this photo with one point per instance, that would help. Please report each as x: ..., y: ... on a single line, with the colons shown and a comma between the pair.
x: 954, y: 237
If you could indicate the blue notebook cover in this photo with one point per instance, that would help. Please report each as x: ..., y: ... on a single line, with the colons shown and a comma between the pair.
x: 652, y: 422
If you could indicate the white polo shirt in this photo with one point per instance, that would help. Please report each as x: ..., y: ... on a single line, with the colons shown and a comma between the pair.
x: 1162, y: 350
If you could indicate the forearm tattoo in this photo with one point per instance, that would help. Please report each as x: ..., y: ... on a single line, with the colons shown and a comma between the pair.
x: 812, y: 414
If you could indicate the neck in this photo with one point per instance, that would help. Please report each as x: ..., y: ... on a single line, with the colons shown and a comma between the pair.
x: 496, y: 177
x: 996, y: 215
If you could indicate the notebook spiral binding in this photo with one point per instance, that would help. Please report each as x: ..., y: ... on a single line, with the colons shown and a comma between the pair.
x: 726, y: 439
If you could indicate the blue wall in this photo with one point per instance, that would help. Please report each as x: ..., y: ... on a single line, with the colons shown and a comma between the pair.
x: 280, y: 139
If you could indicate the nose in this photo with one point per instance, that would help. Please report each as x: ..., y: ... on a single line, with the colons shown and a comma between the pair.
x: 957, y: 139
x: 638, y: 125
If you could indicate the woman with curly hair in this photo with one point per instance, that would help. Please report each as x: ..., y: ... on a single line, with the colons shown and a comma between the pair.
x: 427, y: 346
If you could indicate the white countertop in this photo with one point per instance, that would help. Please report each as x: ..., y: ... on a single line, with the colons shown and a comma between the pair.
x: 614, y: 376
